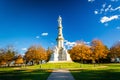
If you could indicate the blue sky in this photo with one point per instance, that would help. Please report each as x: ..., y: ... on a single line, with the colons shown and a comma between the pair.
x: 28, y: 22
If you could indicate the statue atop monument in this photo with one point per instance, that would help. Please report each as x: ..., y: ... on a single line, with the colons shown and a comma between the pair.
x: 59, y: 21
x: 60, y: 52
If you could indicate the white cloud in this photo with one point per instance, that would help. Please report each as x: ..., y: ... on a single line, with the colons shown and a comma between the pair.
x: 109, y: 6
x: 106, y: 8
x: 106, y: 24
x: 52, y: 43
x: 115, y: 9
x: 114, y: 0
x: 24, y: 49
x: 96, y: 12
x: 107, y: 19
x: 37, y: 37
x: 44, y: 34
x: 87, y: 43
x: 104, y: 5
x: 101, y: 11
x: 69, y: 44
x: 91, y: 0
x: 118, y: 28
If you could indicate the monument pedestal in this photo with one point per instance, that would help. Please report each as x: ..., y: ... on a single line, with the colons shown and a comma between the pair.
x: 60, y: 55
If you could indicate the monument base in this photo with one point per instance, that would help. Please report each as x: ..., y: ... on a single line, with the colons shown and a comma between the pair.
x: 60, y: 61
x: 60, y: 55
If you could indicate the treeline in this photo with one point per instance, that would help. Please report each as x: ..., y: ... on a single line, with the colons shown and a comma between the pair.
x: 96, y: 52
x: 34, y: 55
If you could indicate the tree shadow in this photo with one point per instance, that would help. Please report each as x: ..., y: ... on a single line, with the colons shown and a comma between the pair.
x: 109, y: 74
x: 24, y: 75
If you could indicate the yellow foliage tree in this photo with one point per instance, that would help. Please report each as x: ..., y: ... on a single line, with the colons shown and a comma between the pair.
x: 35, y: 54
x: 7, y: 55
x: 115, y: 50
x: 49, y: 52
x: 80, y: 52
x: 19, y: 60
x: 98, y: 50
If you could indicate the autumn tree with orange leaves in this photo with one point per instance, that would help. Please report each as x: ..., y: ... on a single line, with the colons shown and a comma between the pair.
x: 49, y: 51
x: 2, y: 57
x: 98, y: 50
x: 19, y: 60
x: 35, y: 54
x: 7, y: 55
x: 115, y: 51
x: 80, y: 52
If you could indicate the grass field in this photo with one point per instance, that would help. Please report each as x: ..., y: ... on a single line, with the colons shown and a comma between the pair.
x: 68, y: 65
x: 23, y: 74
x: 79, y: 71
x: 103, y: 72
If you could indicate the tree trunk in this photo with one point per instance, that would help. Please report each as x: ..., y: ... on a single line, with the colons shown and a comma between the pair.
x: 93, y: 61
x: 32, y: 62
x: 99, y: 62
x: 8, y: 64
x: 40, y: 63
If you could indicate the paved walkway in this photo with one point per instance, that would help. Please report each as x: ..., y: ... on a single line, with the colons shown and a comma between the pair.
x: 60, y: 74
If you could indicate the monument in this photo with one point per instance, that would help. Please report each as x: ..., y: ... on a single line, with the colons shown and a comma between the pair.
x: 60, y: 52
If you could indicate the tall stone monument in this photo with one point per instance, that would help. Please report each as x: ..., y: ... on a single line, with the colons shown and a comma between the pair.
x: 60, y: 52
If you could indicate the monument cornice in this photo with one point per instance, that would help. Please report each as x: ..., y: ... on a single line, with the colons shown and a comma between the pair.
x: 59, y: 39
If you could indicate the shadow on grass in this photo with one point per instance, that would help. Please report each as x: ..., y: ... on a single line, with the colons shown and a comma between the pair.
x: 24, y: 75
x: 84, y: 74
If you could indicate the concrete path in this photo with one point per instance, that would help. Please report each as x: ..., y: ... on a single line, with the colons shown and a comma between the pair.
x: 60, y: 74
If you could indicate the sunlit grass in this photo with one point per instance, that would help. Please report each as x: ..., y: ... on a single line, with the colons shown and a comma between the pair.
x: 106, y: 72
x: 64, y: 65
x: 79, y: 71
x: 24, y: 74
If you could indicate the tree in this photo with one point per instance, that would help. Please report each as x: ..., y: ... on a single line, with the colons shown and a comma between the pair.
x: 19, y: 60
x: 107, y: 58
x: 29, y: 55
x: 98, y: 50
x: 9, y: 54
x: 49, y: 52
x: 35, y: 54
x: 80, y: 52
x: 115, y: 51
x: 2, y: 57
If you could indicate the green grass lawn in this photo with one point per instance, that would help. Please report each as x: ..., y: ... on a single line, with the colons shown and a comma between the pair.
x: 103, y: 72
x: 68, y: 65
x: 79, y: 71
x: 23, y: 74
